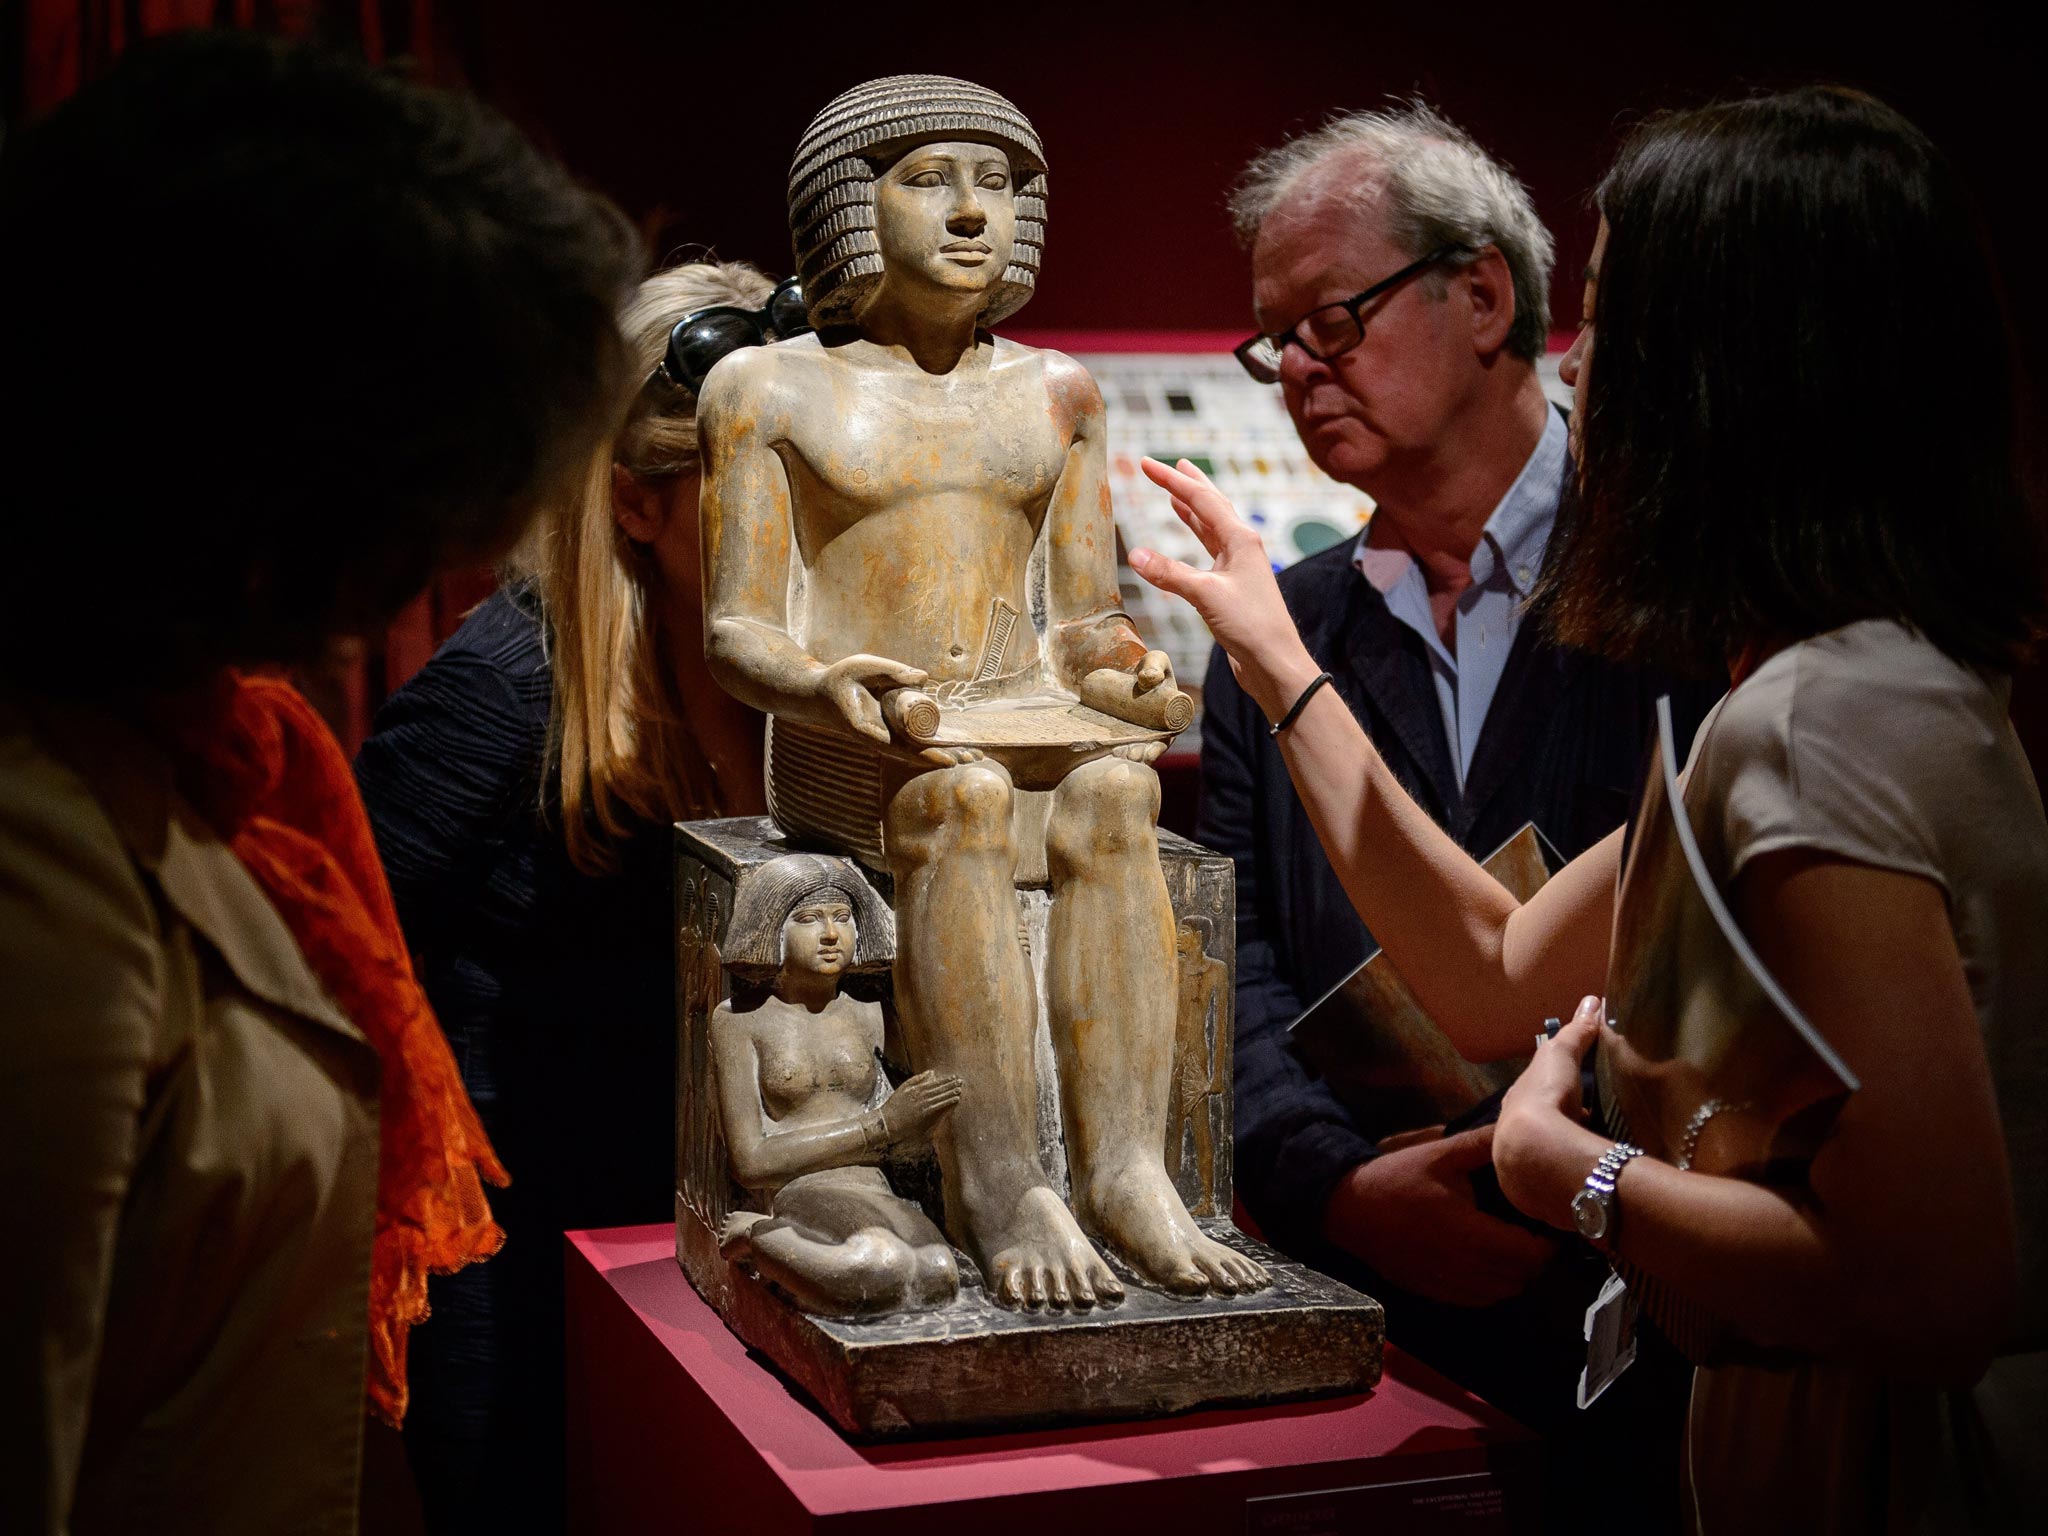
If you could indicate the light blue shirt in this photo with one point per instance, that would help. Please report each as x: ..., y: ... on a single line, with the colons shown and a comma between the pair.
x: 1504, y: 567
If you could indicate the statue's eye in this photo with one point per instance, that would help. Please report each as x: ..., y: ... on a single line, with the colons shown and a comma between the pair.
x: 995, y: 181
x: 924, y: 179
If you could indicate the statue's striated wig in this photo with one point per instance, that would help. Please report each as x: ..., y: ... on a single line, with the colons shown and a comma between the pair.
x: 832, y: 184
x: 767, y: 896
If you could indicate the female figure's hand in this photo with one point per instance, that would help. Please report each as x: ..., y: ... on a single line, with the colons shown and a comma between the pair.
x: 913, y: 1109
x: 1237, y: 596
x: 1542, y: 1148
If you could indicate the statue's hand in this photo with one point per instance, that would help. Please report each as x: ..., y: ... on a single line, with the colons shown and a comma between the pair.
x: 1154, y: 671
x: 913, y: 1109
x: 850, y: 687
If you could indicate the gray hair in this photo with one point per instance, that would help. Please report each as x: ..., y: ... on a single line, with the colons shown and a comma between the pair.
x: 766, y: 898
x: 832, y: 185
x: 1430, y: 185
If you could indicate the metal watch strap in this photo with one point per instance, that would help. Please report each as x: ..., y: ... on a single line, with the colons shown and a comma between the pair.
x: 1598, y: 1192
x: 1608, y: 1169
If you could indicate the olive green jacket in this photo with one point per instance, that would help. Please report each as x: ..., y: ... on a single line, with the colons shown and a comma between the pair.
x: 188, y: 1160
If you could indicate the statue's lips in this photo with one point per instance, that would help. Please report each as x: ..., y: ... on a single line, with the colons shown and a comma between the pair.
x: 970, y: 255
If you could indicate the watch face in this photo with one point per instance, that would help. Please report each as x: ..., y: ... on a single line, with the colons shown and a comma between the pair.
x: 1590, y: 1215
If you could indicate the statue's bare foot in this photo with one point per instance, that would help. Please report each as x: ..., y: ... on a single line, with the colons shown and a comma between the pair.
x: 1040, y: 1258
x: 735, y: 1239
x: 1140, y: 1213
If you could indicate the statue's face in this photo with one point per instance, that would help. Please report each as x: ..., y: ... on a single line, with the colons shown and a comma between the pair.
x: 819, y: 936
x: 948, y: 214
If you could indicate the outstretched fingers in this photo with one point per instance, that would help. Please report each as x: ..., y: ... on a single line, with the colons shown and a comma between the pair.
x: 1171, y: 576
x: 1196, y: 502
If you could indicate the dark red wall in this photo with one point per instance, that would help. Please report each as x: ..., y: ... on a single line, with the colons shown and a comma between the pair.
x: 1147, y: 113
x: 686, y: 112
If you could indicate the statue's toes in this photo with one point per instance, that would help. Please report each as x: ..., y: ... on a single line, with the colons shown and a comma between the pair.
x: 1186, y: 1279
x: 1251, y: 1275
x: 1230, y: 1272
x: 1103, y: 1281
x: 1006, y: 1285
x: 1037, y: 1287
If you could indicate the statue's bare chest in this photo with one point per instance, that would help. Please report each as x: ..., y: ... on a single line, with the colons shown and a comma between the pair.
x: 888, y: 442
x: 802, y: 1058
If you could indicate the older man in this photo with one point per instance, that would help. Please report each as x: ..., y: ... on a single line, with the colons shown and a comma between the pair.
x: 1400, y: 280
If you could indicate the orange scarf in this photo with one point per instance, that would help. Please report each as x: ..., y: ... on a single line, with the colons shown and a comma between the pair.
x: 264, y: 770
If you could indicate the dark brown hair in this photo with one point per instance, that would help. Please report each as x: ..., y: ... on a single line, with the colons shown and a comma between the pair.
x: 1800, y: 406
x: 279, y: 336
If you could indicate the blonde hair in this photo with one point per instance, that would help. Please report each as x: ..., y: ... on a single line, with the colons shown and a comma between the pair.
x: 617, y: 734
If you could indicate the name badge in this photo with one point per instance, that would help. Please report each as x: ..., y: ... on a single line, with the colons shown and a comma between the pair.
x: 1610, y: 1339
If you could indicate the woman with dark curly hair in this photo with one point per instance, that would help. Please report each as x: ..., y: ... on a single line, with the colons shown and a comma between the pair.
x: 1796, y: 413
x: 372, y: 328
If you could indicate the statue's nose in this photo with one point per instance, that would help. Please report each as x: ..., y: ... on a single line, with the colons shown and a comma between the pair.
x: 968, y: 219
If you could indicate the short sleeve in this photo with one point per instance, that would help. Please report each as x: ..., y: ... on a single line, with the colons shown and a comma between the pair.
x: 1865, y: 743
x: 80, y: 1017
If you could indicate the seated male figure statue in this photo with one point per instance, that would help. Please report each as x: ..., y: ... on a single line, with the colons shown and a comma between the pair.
x: 901, y: 501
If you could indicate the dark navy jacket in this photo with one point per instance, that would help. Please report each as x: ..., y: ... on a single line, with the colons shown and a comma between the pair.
x: 557, y: 992
x: 1564, y: 740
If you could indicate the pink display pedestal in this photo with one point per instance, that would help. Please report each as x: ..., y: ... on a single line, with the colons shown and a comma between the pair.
x: 675, y: 1426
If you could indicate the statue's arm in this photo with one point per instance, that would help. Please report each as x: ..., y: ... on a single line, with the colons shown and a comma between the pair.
x: 746, y: 521
x: 763, y: 1158
x: 1087, y: 627
x: 745, y: 524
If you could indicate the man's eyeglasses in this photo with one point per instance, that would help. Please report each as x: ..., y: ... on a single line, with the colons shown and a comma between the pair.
x: 1332, y: 330
x: 704, y: 336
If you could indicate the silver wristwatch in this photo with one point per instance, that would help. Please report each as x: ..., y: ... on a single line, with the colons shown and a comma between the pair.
x: 1593, y: 1207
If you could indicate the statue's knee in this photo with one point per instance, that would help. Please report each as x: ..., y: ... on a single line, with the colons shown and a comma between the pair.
x: 936, y: 1279
x: 951, y: 809
x: 1106, y: 806
x: 885, y: 1267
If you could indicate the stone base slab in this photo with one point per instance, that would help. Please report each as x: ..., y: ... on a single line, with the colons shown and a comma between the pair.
x: 975, y: 1366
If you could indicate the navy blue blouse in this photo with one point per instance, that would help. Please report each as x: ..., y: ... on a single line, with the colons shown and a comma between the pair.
x: 557, y: 991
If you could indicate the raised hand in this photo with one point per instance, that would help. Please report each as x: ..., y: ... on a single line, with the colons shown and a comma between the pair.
x: 851, y: 685
x: 1237, y: 596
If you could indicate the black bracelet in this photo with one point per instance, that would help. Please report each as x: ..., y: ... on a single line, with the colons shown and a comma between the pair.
x: 1299, y: 704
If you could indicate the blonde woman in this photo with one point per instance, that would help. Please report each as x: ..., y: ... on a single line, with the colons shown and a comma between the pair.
x: 521, y: 787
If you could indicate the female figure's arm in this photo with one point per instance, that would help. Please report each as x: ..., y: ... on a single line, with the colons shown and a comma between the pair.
x: 1901, y: 1248
x: 1484, y: 965
x: 764, y: 1157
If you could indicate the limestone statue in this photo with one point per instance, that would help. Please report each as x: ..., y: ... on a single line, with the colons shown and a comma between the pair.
x: 1197, y: 1074
x: 803, y: 1107
x: 910, y: 567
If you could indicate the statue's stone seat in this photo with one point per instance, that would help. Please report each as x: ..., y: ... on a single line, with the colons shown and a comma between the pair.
x: 972, y: 1363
